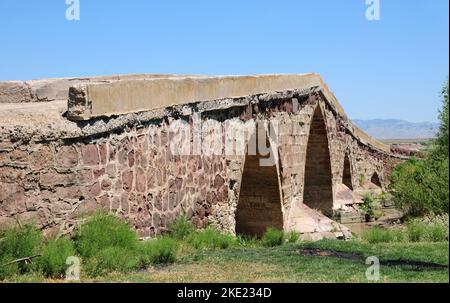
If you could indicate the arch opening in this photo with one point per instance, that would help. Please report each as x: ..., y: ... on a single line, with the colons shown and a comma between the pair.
x: 375, y: 180
x: 347, y: 174
x: 318, y: 191
x: 259, y: 204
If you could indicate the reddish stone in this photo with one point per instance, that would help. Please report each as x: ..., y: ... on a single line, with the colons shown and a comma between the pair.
x: 95, y: 190
x: 140, y: 180
x: 106, y: 185
x: 111, y: 170
x: 127, y: 180
x: 18, y: 156
x: 87, y: 207
x: 52, y: 178
x: 218, y: 181
x: 122, y: 156
x: 84, y: 176
x: 103, y: 152
x: 90, y: 155
x: 104, y: 202
x: 67, y: 156
x: 124, y: 201
x: 11, y: 174
x: 69, y: 193
x: 12, y: 199
x: 99, y: 173
x: 131, y: 159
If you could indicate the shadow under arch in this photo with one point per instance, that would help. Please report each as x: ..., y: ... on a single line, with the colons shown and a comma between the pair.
x: 318, y: 190
x: 375, y: 179
x: 347, y: 172
x: 259, y: 205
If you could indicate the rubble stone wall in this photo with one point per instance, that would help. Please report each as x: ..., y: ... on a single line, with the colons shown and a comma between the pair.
x: 133, y: 172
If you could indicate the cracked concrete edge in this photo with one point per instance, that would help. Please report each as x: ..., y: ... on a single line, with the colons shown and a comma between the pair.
x: 46, y: 90
x: 94, y: 100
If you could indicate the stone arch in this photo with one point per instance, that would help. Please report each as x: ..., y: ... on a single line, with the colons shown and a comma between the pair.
x: 347, y: 172
x: 259, y: 203
x: 375, y: 179
x: 318, y: 190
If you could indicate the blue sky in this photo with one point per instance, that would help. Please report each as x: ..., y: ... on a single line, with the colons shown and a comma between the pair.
x: 391, y: 68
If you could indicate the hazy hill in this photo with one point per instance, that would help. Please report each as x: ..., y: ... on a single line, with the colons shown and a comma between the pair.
x: 397, y: 129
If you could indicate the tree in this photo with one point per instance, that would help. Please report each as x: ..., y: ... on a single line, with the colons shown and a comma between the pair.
x: 420, y: 187
x: 441, y: 143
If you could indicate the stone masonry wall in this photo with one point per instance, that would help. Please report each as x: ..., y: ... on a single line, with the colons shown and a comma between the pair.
x: 133, y: 173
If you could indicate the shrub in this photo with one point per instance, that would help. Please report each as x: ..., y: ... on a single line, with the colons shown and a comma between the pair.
x: 368, y: 206
x: 211, y: 238
x: 54, y: 256
x: 399, y: 235
x: 378, y: 235
x: 247, y: 241
x: 17, y: 243
x: 10, y: 270
x: 104, y: 231
x: 429, y: 228
x: 159, y: 251
x: 272, y: 237
x: 416, y: 231
x: 420, y: 187
x: 112, y: 259
x: 181, y: 228
x: 292, y: 237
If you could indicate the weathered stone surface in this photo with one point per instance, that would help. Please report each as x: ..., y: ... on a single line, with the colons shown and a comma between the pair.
x: 57, y: 171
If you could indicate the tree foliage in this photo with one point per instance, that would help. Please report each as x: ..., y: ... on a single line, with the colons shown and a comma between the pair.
x: 420, y: 187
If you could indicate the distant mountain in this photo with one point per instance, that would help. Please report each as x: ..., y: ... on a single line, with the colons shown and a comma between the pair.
x: 397, y: 129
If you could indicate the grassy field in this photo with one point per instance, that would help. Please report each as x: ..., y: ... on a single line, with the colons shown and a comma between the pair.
x: 289, y: 263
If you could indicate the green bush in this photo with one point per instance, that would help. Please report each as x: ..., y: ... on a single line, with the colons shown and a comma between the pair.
x: 17, y: 243
x: 159, y: 251
x: 211, y: 238
x: 399, y: 235
x: 52, y: 263
x: 416, y: 231
x: 272, y: 237
x: 369, y: 205
x: 292, y: 237
x: 247, y: 241
x: 112, y: 259
x: 378, y: 235
x: 420, y: 187
x: 104, y: 231
x: 10, y: 270
x: 429, y: 229
x: 181, y: 228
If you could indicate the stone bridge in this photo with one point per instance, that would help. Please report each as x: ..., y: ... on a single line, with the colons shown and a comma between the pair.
x: 152, y: 147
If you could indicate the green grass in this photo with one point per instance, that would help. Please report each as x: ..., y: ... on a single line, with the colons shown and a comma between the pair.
x: 159, y: 251
x: 17, y: 243
x: 52, y: 263
x: 111, y: 252
x: 181, y: 228
x: 210, y: 238
x: 273, y: 237
x: 285, y: 264
x: 103, y: 231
